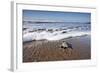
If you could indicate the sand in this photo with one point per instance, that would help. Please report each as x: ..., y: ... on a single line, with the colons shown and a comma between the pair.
x: 43, y: 50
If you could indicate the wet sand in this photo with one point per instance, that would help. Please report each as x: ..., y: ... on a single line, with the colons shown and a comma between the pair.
x: 43, y: 50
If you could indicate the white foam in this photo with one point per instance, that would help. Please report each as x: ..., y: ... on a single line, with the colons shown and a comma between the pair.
x: 57, y: 35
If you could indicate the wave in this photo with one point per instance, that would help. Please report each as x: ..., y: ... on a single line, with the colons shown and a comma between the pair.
x: 57, y: 35
x: 54, y: 31
x: 71, y: 26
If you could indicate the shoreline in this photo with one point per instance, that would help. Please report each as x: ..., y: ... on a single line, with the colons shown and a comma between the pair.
x: 43, y: 50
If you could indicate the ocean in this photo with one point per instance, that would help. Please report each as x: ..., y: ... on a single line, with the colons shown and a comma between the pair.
x: 54, y: 30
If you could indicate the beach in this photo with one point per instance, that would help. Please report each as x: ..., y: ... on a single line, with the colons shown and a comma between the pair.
x: 45, y: 50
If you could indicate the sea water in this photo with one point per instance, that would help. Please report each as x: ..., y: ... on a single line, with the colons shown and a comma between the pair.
x: 54, y: 30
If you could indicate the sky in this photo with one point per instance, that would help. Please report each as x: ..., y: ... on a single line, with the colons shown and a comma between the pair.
x: 36, y: 15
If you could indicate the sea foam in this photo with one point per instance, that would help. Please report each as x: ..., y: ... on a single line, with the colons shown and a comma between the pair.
x: 51, y: 36
x: 54, y: 31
